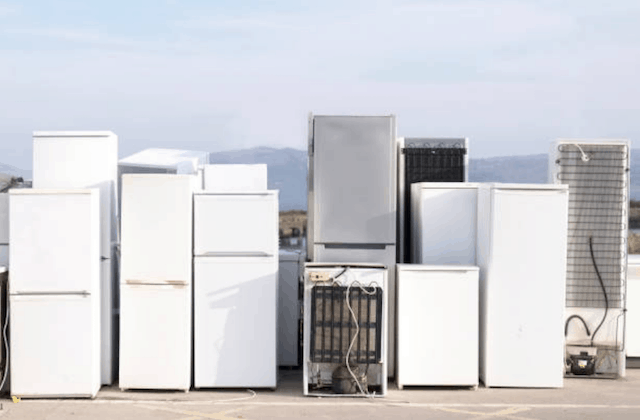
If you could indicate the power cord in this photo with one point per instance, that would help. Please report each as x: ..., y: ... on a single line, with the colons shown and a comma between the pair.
x: 585, y: 157
x: 604, y: 290
x: 5, y: 374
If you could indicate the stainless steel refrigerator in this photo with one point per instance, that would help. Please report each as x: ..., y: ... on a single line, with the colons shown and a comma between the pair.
x: 87, y: 159
x: 352, y: 196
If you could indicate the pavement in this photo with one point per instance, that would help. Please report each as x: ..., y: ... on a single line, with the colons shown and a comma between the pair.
x: 579, y: 399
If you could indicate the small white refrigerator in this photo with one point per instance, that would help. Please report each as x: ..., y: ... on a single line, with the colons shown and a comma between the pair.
x: 155, y: 289
x: 54, y: 293
x: 522, y: 255
x: 88, y: 159
x: 437, y: 325
x: 443, y: 222
x: 235, y: 289
x: 632, y: 335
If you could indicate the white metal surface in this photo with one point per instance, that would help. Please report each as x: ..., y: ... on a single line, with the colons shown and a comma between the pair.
x: 522, y: 251
x: 633, y: 307
x: 55, y: 346
x: 55, y: 241
x: 157, y: 215
x: 357, y: 273
x: 86, y: 160
x: 385, y: 256
x: 437, y: 325
x: 4, y: 218
x: 232, y: 177
x: 236, y: 223
x: 443, y: 225
x: 166, y: 158
x: 155, y: 337
x: 235, y: 322
x: 55, y: 293
x: 289, y: 272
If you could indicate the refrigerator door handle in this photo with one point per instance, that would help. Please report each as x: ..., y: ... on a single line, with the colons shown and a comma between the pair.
x: 378, y: 246
x: 74, y: 293
x: 157, y: 283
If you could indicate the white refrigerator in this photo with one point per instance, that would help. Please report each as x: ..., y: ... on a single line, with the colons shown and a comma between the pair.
x: 437, y: 325
x: 87, y: 159
x: 155, y: 281
x: 55, y: 293
x: 235, y: 289
x: 235, y: 177
x: 632, y: 334
x: 522, y: 255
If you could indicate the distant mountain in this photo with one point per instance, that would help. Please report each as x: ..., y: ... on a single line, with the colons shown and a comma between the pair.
x: 13, y: 171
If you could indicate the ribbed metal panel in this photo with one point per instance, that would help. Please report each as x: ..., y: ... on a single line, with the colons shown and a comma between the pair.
x: 597, y: 175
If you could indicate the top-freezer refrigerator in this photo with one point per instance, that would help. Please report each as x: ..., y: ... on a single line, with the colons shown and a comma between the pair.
x: 352, y: 196
x: 155, y: 281
x: 54, y: 293
x: 87, y: 159
x: 235, y: 289
x: 522, y: 255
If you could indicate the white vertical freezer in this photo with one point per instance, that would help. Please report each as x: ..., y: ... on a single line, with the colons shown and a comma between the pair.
x: 443, y: 223
x: 235, y: 289
x: 437, y: 325
x: 55, y: 293
x: 522, y: 254
x: 79, y: 159
x: 156, y: 281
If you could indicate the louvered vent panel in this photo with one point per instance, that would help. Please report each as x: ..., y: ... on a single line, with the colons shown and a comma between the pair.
x: 598, y: 203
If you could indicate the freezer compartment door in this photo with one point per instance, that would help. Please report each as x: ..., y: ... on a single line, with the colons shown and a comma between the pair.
x: 354, y: 179
x: 55, y: 241
x: 55, y: 345
x: 155, y: 337
x: 241, y: 223
x: 370, y: 253
x: 235, y: 322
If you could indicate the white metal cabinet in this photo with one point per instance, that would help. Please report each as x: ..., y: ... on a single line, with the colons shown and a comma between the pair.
x: 437, y: 325
x: 235, y: 322
x: 633, y: 307
x: 444, y: 218
x: 522, y: 254
x: 289, y: 270
x: 233, y: 178
x: 156, y: 336
x: 86, y: 159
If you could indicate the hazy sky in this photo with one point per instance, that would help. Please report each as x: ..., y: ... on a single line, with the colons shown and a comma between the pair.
x: 220, y: 75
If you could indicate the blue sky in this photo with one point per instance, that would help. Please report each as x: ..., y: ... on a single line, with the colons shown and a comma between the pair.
x: 220, y: 75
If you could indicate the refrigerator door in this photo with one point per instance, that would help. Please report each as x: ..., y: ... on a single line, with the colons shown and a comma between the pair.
x: 354, y: 179
x: 236, y: 224
x: 444, y: 219
x: 437, y: 325
x: 375, y: 254
x: 55, y: 345
x: 55, y: 241
x: 289, y: 271
x: 250, y: 178
x: 235, y: 322
x: 632, y: 323
x: 157, y: 217
x: 523, y: 282
x: 155, y: 337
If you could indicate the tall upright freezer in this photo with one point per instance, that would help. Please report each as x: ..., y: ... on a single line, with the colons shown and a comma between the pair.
x: 352, y: 196
x: 88, y: 159
x: 522, y: 255
x: 235, y: 289
x: 54, y: 293
x: 156, y: 281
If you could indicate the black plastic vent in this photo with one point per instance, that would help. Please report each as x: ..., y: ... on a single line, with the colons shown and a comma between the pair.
x: 332, y: 326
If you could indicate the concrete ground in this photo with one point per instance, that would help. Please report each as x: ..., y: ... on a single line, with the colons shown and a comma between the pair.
x: 579, y: 399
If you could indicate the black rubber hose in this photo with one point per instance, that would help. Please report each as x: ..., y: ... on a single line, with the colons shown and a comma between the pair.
x: 575, y: 316
x: 604, y: 291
